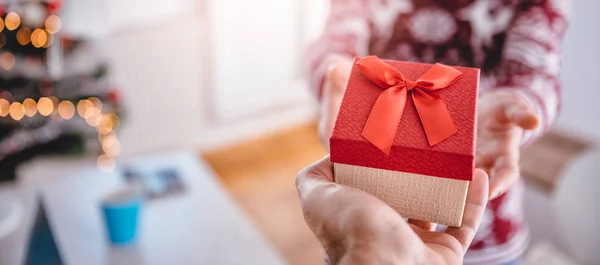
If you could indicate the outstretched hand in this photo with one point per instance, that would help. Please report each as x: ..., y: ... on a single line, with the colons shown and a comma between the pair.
x: 502, y: 119
x: 333, y: 92
x: 357, y: 228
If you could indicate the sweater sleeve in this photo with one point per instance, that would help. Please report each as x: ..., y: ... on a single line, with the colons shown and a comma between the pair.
x: 346, y: 34
x: 530, y: 63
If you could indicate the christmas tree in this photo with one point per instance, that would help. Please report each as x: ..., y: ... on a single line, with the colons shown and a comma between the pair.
x: 55, y: 95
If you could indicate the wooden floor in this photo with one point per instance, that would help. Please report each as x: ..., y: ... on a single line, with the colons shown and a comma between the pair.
x: 260, y: 174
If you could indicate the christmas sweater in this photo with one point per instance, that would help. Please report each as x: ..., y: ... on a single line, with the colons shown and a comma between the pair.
x: 515, y: 43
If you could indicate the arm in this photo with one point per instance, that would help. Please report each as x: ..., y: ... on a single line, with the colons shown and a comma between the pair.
x: 329, y: 59
x: 526, y: 99
x: 346, y: 36
x: 531, y: 59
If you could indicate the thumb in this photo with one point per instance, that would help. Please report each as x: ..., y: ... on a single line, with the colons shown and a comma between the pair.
x: 518, y: 113
x: 477, y: 197
x: 338, y: 72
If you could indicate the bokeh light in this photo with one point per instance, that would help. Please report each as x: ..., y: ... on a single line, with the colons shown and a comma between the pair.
x: 97, y: 103
x: 106, y: 163
x: 1, y: 24
x: 115, y: 120
x: 49, y: 42
x: 82, y: 106
x: 39, y: 38
x: 54, y: 100
x: 111, y: 146
x: 66, y: 109
x: 17, y: 111
x: 92, y: 117
x: 12, y: 21
x: 4, y: 107
x: 7, y: 60
x: 30, y: 107
x: 103, y: 137
x: 24, y: 36
x: 53, y: 24
x: 45, y: 106
x: 105, y: 125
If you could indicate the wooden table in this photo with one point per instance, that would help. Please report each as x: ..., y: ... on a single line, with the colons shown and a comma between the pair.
x: 201, y: 226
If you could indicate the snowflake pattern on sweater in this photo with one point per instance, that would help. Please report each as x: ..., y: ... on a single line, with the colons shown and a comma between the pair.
x: 516, y: 44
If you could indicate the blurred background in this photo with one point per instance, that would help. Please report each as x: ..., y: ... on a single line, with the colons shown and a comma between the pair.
x: 98, y: 93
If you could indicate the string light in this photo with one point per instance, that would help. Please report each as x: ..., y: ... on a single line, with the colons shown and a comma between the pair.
x: 4, y: 107
x: 12, y: 21
x: 45, y: 106
x: 115, y: 120
x: 103, y: 137
x: 87, y: 108
x: 108, y: 140
x: 82, y: 106
x: 39, y: 38
x: 106, y: 163
x: 111, y: 146
x: 49, y: 42
x: 30, y: 107
x: 66, y: 109
x: 92, y: 116
x: 93, y: 120
x: 16, y: 111
x: 24, y: 36
x: 54, y: 100
x: 7, y: 60
x: 53, y: 24
x: 96, y: 102
x: 105, y: 125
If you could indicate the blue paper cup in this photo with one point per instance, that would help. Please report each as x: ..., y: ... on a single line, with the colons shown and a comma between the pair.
x: 121, y: 209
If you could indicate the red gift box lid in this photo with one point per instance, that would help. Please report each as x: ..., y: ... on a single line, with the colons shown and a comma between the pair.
x: 452, y: 158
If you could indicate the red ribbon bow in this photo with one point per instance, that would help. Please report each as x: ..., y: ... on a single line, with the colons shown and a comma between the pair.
x: 385, y: 116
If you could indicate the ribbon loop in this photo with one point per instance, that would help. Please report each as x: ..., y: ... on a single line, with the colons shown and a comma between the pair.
x: 387, y: 111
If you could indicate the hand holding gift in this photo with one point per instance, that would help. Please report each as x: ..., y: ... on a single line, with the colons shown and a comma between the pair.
x: 357, y: 228
x: 502, y: 120
x: 405, y: 133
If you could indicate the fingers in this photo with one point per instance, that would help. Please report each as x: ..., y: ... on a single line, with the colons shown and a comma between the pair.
x: 504, y: 175
x: 339, y: 72
x: 309, y: 178
x: 519, y: 114
x: 337, y: 213
x: 477, y: 198
x: 426, y: 226
x: 337, y: 76
x: 333, y: 92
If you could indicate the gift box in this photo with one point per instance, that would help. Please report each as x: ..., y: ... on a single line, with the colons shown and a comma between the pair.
x: 405, y: 133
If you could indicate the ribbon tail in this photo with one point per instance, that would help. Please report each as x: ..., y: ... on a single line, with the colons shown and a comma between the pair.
x: 439, y: 76
x: 380, y: 72
x: 384, y: 118
x: 436, y: 120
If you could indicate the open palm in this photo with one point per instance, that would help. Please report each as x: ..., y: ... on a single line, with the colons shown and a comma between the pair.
x: 357, y: 228
x: 502, y: 119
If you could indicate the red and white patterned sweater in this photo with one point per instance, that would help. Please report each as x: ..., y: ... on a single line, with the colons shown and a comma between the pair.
x: 516, y: 44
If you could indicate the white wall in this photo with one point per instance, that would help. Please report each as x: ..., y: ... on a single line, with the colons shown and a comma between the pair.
x: 167, y: 67
x: 581, y: 73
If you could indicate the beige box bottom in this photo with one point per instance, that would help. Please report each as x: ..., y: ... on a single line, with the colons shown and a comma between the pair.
x: 421, y: 197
